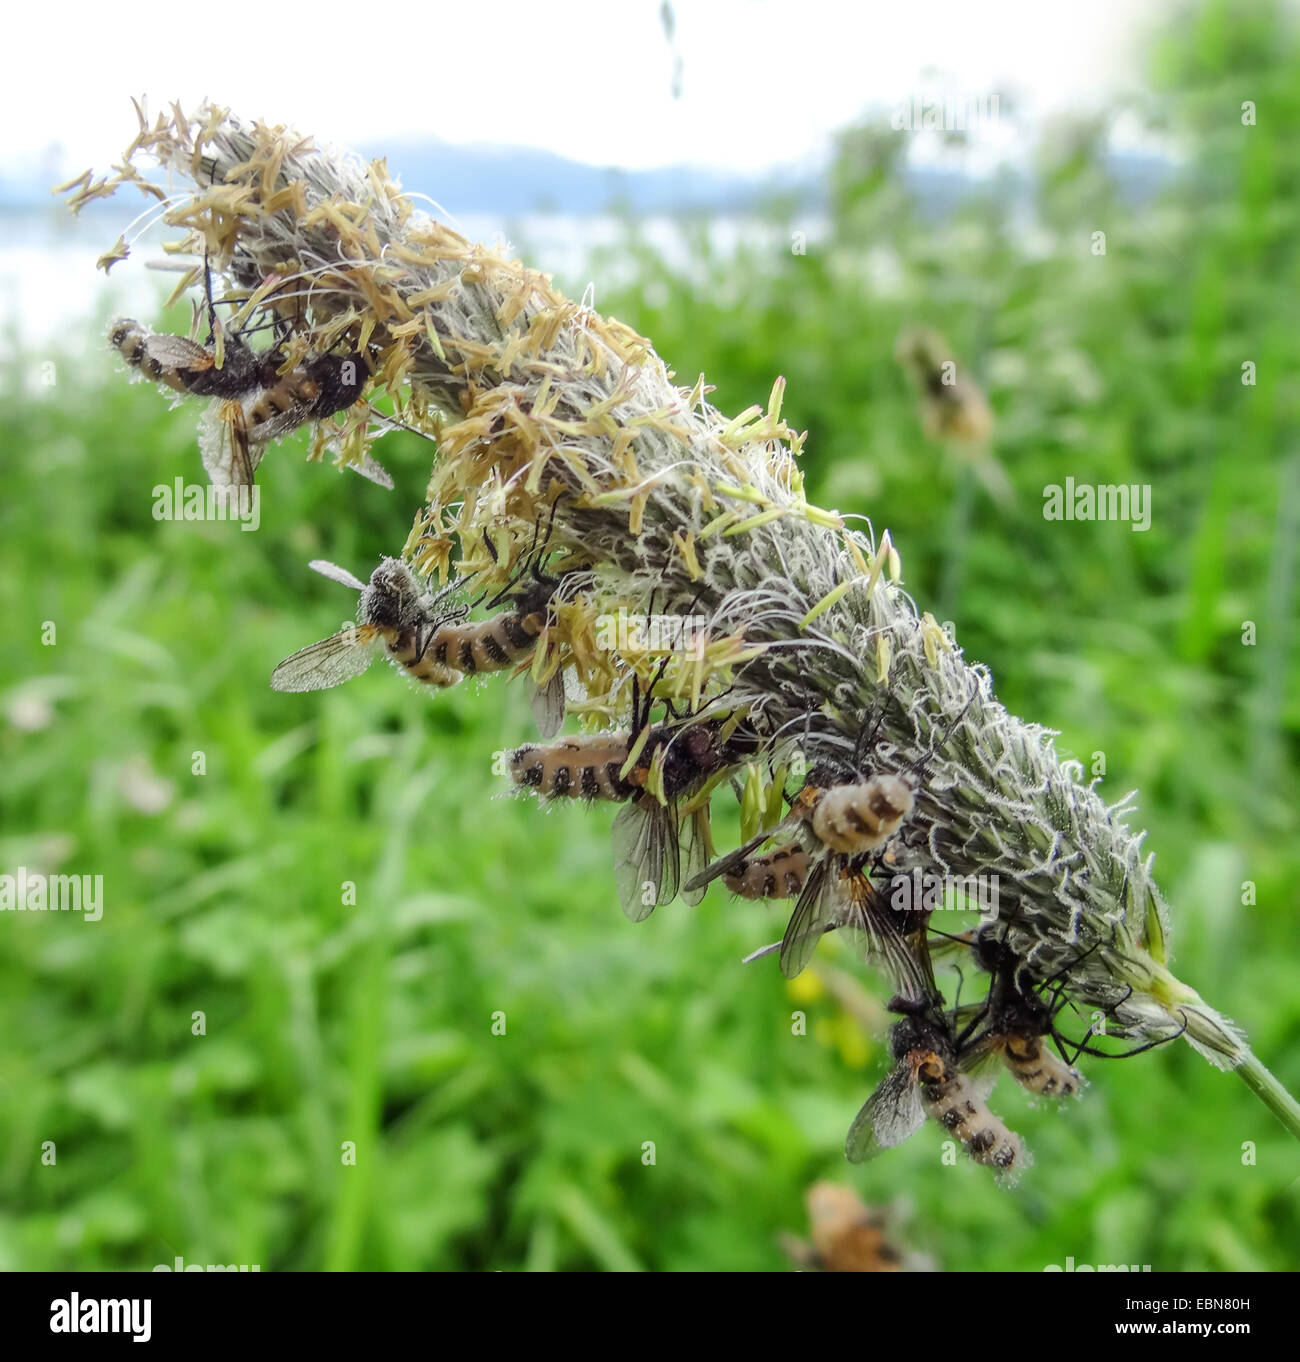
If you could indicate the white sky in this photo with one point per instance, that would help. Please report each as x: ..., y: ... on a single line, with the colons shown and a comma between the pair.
x: 765, y: 81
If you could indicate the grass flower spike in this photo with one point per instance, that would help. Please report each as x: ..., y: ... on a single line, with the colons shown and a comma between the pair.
x: 566, y: 447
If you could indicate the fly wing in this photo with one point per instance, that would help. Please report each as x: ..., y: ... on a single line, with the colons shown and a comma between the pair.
x: 979, y: 1059
x: 868, y: 918
x: 228, y: 455
x: 978, y: 1052
x: 961, y: 1018
x: 813, y: 914
x: 278, y: 426
x: 244, y: 454
x: 889, y: 1116
x: 364, y: 464
x: 336, y: 573
x: 178, y: 352
x: 547, y: 704
x: 733, y: 860
x: 770, y: 949
x: 695, y: 854
x: 331, y: 662
x: 647, y: 856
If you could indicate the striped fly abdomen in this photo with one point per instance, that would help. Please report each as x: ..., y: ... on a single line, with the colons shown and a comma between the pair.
x: 778, y: 875
x: 951, y: 1098
x: 489, y: 645
x: 584, y: 767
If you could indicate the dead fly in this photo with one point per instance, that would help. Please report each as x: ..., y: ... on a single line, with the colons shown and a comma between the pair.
x: 1018, y: 1018
x: 1015, y: 1022
x: 312, y: 391
x: 651, y: 769
x: 395, y: 611
x: 430, y: 643
x: 846, y: 1234
x: 843, y: 819
x: 258, y: 396
x: 838, y: 828
x: 953, y: 407
x: 255, y: 402
x: 927, y: 1080
x: 184, y: 365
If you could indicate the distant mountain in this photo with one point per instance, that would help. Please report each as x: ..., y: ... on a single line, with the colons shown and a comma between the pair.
x: 499, y: 180
x: 506, y: 181
x: 25, y: 182
x: 518, y: 180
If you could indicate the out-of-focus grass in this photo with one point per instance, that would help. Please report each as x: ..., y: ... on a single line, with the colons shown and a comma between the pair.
x: 371, y: 1023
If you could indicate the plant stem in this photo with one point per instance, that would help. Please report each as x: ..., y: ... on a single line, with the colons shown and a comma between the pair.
x: 1212, y: 1033
x: 1269, y: 1091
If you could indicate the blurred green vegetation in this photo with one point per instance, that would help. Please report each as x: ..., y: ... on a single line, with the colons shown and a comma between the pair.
x: 373, y: 1023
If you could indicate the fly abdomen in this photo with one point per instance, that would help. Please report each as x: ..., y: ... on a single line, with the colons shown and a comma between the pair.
x: 574, y: 768
x: 520, y: 631
x: 993, y: 1145
x: 1036, y: 1068
x: 950, y: 1098
x: 778, y: 875
x: 129, y: 339
x: 404, y: 649
x: 431, y: 674
x: 489, y: 645
x: 283, y: 397
x: 494, y: 655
